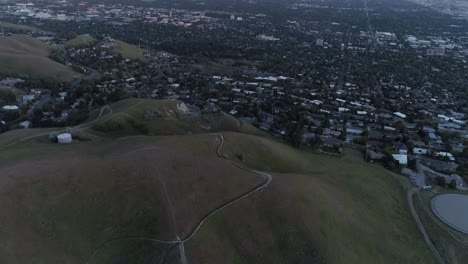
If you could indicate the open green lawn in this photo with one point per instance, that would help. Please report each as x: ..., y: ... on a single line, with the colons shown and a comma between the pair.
x: 80, y: 41
x: 129, y: 51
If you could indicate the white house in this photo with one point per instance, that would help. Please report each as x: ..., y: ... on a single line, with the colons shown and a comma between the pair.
x: 401, y: 158
x: 10, y: 107
x: 445, y: 154
x: 420, y: 151
x: 400, y: 115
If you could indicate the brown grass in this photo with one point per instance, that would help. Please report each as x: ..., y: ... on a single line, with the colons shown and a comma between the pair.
x: 60, y: 202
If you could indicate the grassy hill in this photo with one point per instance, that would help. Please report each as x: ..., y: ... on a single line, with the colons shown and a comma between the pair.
x: 162, y: 117
x: 104, y: 200
x: 25, y: 28
x: 129, y: 51
x: 318, y: 209
x: 80, y: 40
x: 26, y: 56
x: 65, y: 201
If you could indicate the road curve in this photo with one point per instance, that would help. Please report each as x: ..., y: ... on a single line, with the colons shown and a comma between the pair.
x: 267, y: 180
x: 429, y: 243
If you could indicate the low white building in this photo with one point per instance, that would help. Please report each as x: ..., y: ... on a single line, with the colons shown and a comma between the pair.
x: 401, y: 158
x: 64, y: 138
x: 420, y: 151
x: 10, y: 108
x: 400, y: 115
x: 445, y: 154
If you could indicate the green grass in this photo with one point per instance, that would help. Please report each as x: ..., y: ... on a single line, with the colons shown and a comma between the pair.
x: 129, y: 51
x: 24, y: 44
x: 60, y: 202
x: 20, y: 27
x: 27, y: 57
x: 452, y: 245
x: 336, y: 210
x: 66, y: 212
x: 128, y: 119
x: 80, y: 41
x: 4, y: 91
x: 8, y: 95
x: 66, y: 199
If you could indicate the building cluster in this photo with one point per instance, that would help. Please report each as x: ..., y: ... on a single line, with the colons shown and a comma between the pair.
x: 110, y: 13
x: 328, y: 81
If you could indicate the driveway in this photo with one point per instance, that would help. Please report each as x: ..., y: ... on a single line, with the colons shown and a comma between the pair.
x: 419, y: 177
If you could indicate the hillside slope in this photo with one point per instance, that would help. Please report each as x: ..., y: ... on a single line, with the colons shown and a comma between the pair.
x: 163, y: 117
x: 61, y: 203
x: 24, y: 28
x: 318, y: 209
x: 129, y: 51
x: 80, y: 40
x: 131, y: 199
x: 26, y: 56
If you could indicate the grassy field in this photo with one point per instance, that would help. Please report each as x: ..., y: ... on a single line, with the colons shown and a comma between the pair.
x: 20, y: 27
x: 80, y: 41
x: 129, y: 51
x: 128, y: 118
x: 453, y: 245
x: 318, y: 209
x: 27, y: 57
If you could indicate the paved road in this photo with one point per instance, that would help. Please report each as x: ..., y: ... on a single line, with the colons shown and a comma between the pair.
x: 421, y: 227
x: 267, y: 180
x: 461, y: 185
x: 419, y: 177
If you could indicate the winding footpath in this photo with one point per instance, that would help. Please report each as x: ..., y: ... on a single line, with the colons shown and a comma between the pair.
x: 429, y: 243
x: 180, y: 242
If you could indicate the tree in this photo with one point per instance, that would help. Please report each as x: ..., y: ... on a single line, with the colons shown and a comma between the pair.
x: 441, y: 181
x: 400, y: 126
x: 37, y: 117
x: 453, y: 184
x: 411, y: 164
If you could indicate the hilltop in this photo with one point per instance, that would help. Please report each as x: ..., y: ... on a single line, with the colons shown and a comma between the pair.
x: 80, y: 40
x: 162, y: 117
x: 27, y: 56
x: 125, y: 197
